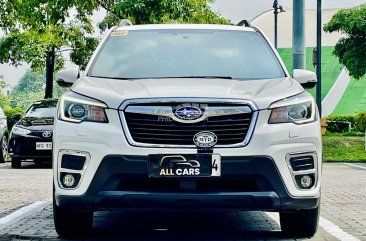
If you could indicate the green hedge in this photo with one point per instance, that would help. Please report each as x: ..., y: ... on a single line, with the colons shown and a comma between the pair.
x: 10, y: 112
x: 358, y: 122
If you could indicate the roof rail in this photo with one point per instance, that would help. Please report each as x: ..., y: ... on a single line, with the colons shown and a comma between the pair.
x: 125, y: 22
x: 244, y: 23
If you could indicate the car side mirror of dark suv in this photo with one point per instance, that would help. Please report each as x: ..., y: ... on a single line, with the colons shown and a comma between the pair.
x: 306, y: 78
x: 16, y: 117
x: 67, y: 77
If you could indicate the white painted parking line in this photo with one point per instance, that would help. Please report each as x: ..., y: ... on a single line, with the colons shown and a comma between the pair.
x: 336, y: 231
x: 354, y: 165
x: 274, y: 216
x: 327, y: 225
x: 21, y: 213
x: 4, y: 165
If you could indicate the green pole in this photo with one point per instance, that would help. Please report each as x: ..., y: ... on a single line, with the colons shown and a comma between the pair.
x: 319, y: 57
x: 298, y: 49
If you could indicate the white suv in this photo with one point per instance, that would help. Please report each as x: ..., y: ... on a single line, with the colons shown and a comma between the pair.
x: 187, y: 117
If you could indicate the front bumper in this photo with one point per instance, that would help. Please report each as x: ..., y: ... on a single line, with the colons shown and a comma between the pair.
x: 24, y: 147
x: 247, y: 183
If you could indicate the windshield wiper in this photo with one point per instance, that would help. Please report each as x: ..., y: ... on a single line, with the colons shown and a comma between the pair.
x: 192, y: 77
x: 168, y: 77
x: 107, y: 77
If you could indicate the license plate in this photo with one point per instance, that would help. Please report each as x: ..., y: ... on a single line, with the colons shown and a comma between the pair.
x: 191, y: 165
x: 43, y: 145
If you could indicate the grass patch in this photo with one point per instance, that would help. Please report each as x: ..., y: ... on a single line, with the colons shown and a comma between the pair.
x: 354, y: 99
x: 343, y: 148
x: 351, y: 133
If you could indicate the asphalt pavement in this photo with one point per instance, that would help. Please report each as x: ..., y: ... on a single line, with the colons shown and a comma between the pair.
x: 26, y: 212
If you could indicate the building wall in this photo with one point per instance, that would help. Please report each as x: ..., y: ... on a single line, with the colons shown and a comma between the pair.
x: 265, y: 22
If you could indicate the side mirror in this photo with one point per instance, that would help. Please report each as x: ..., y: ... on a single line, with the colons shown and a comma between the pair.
x: 66, y: 77
x: 306, y: 78
x: 16, y: 117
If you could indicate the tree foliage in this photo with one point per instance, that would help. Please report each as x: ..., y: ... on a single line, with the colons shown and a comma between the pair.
x: 351, y: 49
x: 4, y: 100
x: 36, y: 27
x: 31, y: 88
x: 160, y: 11
x: 37, y: 30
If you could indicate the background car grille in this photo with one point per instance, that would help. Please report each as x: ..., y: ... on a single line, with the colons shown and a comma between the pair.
x: 149, y: 129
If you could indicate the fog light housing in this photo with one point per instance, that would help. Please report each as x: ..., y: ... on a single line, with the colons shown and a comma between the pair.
x: 305, y: 181
x: 69, y: 180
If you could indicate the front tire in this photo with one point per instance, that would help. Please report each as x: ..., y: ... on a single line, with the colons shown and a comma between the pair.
x: 300, y: 223
x: 4, y: 149
x: 16, y: 163
x: 70, y: 224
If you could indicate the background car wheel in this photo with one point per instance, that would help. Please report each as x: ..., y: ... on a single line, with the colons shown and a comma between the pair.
x: 16, y: 163
x: 300, y: 223
x: 70, y: 224
x: 4, y: 149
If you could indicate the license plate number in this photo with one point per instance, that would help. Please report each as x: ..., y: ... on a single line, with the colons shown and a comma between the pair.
x: 43, y: 145
x: 192, y: 165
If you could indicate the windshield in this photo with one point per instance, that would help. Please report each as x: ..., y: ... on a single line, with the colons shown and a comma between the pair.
x: 42, y: 109
x: 183, y: 53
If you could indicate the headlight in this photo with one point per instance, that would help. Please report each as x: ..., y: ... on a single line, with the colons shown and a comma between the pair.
x: 79, y: 110
x: 298, y: 109
x: 20, y: 131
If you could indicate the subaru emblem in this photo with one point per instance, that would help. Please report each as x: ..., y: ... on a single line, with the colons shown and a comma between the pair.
x: 188, y: 113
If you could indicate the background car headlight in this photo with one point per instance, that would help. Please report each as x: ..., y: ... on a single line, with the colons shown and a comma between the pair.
x: 79, y: 110
x: 20, y: 131
x: 298, y: 109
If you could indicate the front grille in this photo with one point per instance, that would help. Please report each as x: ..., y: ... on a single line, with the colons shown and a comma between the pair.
x: 39, y: 134
x: 153, y: 129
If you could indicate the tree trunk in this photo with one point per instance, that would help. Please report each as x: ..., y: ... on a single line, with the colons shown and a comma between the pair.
x: 50, y: 67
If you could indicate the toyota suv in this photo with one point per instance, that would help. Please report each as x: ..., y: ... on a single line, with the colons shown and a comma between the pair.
x: 184, y: 116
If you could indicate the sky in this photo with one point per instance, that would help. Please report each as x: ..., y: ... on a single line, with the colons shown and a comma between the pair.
x: 235, y: 10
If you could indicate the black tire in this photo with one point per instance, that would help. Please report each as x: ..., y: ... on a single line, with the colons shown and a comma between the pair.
x: 4, y: 149
x: 69, y: 224
x: 16, y: 163
x: 300, y: 223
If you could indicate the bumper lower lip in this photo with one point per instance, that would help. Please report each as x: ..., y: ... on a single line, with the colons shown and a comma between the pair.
x: 108, y: 188
x: 263, y: 201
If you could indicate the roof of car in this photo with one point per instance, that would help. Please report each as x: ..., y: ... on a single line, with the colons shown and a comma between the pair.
x: 185, y: 26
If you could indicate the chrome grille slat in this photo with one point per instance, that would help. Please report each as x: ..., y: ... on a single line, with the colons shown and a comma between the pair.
x: 185, y: 130
x: 185, y: 126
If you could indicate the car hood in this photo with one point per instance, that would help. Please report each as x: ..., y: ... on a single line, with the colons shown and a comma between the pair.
x: 34, y: 123
x: 113, y: 92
